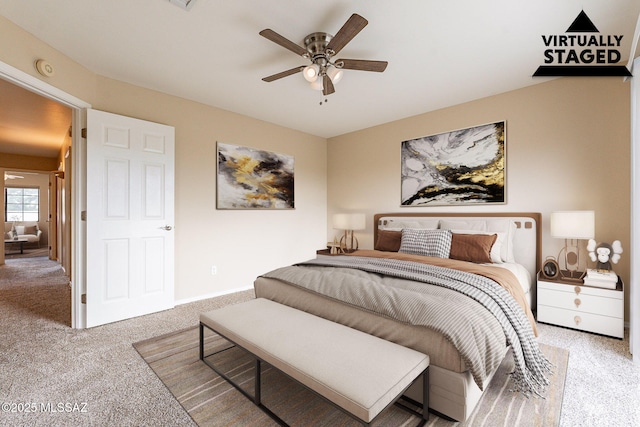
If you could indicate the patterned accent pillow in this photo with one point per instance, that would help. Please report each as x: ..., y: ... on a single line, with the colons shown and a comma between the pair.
x: 433, y: 243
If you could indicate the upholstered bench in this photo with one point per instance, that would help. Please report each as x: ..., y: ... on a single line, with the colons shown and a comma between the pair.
x: 357, y: 372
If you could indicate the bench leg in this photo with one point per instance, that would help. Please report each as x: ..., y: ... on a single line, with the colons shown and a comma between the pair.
x: 201, y: 341
x: 257, y: 396
x: 424, y: 416
x: 425, y: 395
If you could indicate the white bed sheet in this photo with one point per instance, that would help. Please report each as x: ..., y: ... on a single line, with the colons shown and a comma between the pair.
x: 523, y: 276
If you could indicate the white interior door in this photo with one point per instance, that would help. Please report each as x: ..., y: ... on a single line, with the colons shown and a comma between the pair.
x: 129, y: 218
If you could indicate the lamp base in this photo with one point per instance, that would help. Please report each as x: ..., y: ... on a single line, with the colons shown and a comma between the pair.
x: 572, y: 276
x: 348, y: 242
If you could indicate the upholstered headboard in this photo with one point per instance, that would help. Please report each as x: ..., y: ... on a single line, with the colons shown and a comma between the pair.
x: 526, y: 228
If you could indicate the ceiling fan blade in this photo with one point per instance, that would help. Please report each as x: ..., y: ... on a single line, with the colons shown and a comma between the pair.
x: 327, y: 86
x: 284, y: 42
x: 283, y: 74
x: 362, y: 65
x: 349, y: 30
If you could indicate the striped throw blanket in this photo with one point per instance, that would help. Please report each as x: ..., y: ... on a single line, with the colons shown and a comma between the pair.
x: 531, y: 366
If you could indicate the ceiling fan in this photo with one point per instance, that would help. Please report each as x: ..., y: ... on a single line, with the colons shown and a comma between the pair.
x: 320, y: 48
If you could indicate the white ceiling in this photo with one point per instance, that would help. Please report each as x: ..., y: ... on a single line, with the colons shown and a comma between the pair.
x: 440, y: 53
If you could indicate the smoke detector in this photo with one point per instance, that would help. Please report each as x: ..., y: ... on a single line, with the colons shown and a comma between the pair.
x: 45, y: 68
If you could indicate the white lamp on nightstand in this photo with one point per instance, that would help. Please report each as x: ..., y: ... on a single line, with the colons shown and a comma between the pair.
x: 349, y: 222
x: 572, y: 226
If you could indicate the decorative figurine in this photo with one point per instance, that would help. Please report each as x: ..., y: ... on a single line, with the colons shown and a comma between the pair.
x: 604, y: 254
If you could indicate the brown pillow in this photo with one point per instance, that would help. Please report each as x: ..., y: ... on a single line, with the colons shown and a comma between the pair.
x: 388, y: 241
x: 472, y: 247
x: 31, y: 229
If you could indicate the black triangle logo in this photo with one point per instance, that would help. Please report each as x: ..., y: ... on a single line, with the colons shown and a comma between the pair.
x: 582, y: 24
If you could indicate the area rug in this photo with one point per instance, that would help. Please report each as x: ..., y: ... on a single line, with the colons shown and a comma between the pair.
x: 211, y: 401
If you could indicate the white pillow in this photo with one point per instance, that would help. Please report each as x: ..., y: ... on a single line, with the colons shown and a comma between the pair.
x: 509, y: 228
x: 20, y: 230
x: 457, y: 224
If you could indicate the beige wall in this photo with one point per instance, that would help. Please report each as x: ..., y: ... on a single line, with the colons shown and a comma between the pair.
x: 15, y: 161
x: 242, y: 244
x: 568, y: 148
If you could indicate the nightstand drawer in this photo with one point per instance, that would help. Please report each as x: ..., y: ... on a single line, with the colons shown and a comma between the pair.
x: 582, y: 302
x: 605, y: 325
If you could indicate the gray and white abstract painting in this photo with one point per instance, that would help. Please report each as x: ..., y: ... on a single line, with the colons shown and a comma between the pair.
x: 465, y: 166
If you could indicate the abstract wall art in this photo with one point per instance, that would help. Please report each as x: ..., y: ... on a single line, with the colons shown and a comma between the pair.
x: 253, y: 179
x: 465, y: 166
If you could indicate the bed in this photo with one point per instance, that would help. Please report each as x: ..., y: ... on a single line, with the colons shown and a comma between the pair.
x: 486, y: 248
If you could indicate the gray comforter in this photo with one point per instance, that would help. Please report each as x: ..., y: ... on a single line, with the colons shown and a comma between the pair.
x: 476, y: 314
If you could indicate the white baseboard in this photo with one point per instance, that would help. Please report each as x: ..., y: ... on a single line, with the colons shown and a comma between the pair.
x: 213, y: 295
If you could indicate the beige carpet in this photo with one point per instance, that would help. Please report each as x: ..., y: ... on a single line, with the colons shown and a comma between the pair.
x: 43, y: 360
x: 210, y: 401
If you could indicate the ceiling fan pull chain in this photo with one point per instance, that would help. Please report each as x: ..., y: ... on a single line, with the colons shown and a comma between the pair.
x: 323, y: 101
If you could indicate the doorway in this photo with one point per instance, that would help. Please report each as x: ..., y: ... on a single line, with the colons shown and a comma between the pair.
x: 73, y: 183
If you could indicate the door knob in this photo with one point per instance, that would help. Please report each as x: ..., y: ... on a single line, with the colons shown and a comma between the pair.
x: 166, y: 228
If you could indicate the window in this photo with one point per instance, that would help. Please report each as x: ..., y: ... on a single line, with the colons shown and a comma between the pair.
x: 21, y: 204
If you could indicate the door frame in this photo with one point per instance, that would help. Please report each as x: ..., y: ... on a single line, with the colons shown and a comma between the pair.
x: 634, y: 292
x: 78, y: 181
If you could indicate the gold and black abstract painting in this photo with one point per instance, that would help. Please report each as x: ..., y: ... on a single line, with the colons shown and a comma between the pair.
x: 254, y: 179
x: 465, y: 166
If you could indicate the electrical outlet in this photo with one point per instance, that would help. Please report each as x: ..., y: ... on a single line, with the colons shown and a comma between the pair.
x: 214, y: 270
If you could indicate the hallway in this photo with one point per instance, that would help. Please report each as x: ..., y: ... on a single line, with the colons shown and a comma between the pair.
x: 32, y: 290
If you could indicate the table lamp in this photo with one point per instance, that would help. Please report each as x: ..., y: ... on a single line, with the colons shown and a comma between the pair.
x: 572, y: 226
x: 348, y: 222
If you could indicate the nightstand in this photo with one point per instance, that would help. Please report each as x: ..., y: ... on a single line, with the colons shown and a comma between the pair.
x: 326, y: 252
x: 581, y: 307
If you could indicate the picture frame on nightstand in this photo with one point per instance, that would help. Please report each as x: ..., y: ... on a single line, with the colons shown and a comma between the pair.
x: 550, y: 269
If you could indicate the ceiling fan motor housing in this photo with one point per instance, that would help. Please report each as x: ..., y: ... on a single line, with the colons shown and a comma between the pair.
x: 316, y: 44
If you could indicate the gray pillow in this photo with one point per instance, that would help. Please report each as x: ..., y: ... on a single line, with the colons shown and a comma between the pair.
x: 433, y: 243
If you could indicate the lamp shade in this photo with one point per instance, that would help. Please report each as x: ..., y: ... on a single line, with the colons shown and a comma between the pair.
x: 349, y: 221
x: 573, y: 224
x: 317, y: 85
x: 310, y: 73
x: 335, y: 74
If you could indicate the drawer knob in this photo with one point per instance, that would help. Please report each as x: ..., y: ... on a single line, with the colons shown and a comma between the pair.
x: 577, y: 319
x: 578, y: 289
x: 577, y: 302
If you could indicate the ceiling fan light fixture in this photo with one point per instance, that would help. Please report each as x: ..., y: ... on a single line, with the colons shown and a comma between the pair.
x: 317, y: 85
x: 311, y: 72
x: 319, y: 48
x: 335, y: 74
